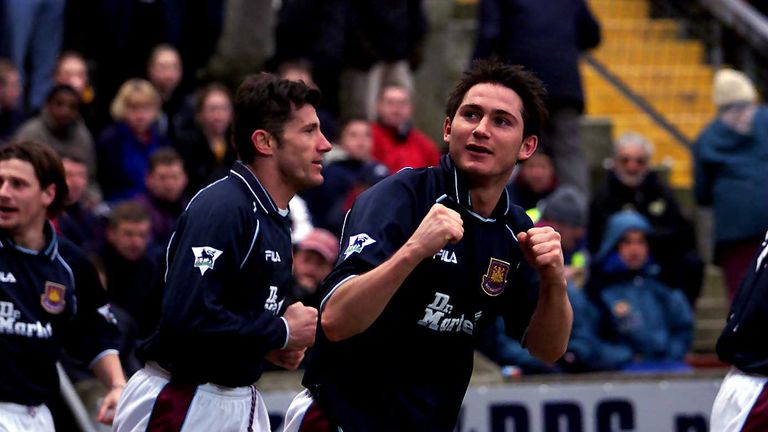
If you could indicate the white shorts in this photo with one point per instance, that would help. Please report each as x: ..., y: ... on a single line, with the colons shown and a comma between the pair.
x: 21, y: 418
x: 304, y: 415
x: 741, y: 404
x: 149, y: 402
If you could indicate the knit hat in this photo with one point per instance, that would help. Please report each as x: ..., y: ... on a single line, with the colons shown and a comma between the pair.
x: 732, y: 86
x: 323, y: 242
x: 565, y: 204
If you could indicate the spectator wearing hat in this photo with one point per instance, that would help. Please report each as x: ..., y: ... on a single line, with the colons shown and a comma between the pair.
x: 653, y: 322
x: 312, y: 261
x: 565, y: 210
x: 632, y: 184
x: 730, y: 156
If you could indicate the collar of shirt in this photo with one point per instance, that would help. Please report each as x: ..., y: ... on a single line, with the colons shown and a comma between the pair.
x: 254, y: 186
x: 50, y: 250
x: 457, y: 189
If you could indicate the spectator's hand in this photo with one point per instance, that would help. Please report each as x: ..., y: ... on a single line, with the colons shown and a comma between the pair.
x: 286, y: 358
x: 544, y: 253
x: 108, y: 406
x: 439, y: 227
x: 302, y: 323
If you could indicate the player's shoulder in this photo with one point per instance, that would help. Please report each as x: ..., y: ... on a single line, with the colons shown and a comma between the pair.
x: 224, y: 198
x: 405, y: 180
x: 518, y: 219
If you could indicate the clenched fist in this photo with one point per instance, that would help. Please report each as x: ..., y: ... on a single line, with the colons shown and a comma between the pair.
x: 544, y: 253
x: 439, y: 227
x: 302, y: 323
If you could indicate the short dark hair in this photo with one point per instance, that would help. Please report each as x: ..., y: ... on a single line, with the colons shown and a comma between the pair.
x: 266, y: 102
x: 47, y: 166
x: 523, y: 82
x: 62, y: 88
x: 164, y: 156
x: 127, y: 211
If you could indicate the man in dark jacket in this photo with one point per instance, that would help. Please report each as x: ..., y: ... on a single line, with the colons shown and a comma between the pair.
x: 546, y: 37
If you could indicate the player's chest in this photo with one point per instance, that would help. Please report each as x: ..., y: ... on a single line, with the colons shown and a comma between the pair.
x: 34, y: 299
x: 455, y: 290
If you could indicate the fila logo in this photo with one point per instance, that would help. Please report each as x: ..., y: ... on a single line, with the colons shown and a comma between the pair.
x: 7, y: 277
x: 272, y: 256
x: 446, y: 256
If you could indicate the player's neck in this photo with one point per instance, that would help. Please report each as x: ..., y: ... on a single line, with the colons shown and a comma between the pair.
x: 30, y: 237
x: 485, y: 199
x: 280, y: 191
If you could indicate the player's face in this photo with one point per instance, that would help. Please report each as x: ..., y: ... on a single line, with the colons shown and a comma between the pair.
x: 23, y: 203
x: 633, y: 249
x: 485, y: 138
x: 299, y: 156
x: 130, y: 239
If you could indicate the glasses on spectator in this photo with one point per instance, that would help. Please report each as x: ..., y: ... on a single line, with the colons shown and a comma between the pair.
x: 640, y: 160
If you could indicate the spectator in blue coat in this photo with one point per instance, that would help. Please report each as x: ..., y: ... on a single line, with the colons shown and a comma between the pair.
x: 730, y: 157
x: 123, y: 149
x: 651, y: 319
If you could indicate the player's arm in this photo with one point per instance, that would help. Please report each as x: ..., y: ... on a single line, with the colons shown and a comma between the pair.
x: 109, y: 371
x: 355, y: 304
x: 550, y: 325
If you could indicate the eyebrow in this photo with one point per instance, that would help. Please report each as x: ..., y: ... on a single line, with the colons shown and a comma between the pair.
x: 495, y: 111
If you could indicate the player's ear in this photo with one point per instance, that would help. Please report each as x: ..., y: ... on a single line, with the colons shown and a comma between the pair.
x: 447, y: 130
x: 528, y: 147
x: 263, y: 142
x: 49, y: 194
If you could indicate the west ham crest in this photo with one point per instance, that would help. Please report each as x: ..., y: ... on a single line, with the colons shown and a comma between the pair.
x: 496, y: 277
x: 53, y: 299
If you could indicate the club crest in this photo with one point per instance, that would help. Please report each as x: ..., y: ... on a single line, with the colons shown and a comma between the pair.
x: 205, y: 257
x: 53, y: 298
x: 495, y: 279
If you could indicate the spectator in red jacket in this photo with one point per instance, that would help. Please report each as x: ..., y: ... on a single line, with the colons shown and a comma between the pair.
x: 396, y: 143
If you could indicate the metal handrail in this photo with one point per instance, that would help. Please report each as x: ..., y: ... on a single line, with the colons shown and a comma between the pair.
x: 73, y: 402
x: 742, y: 18
x: 636, y: 99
